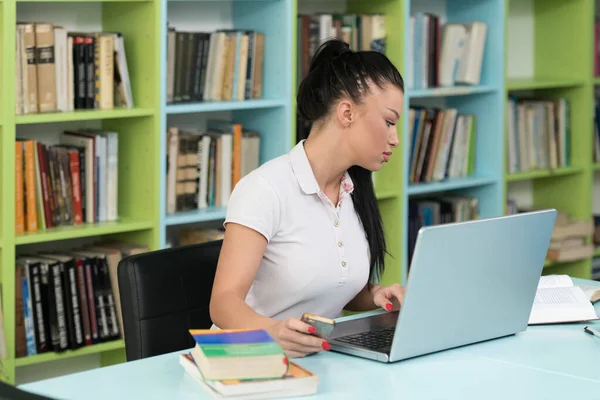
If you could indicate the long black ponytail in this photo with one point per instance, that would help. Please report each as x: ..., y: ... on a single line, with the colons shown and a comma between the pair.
x: 337, y: 71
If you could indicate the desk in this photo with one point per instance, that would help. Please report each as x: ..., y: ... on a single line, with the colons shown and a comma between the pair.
x: 544, y: 362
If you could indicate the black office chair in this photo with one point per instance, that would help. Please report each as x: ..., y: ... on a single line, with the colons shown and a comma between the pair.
x: 165, y: 293
x: 9, y: 392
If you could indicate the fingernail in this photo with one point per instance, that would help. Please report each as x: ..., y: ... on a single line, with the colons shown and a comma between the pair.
x: 388, y: 306
x: 325, y: 345
x: 312, y: 330
x: 285, y: 361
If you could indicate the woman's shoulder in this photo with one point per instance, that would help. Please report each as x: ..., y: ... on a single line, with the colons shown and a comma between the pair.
x: 271, y: 175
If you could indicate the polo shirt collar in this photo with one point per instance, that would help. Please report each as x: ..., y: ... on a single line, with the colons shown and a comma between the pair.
x: 305, y: 175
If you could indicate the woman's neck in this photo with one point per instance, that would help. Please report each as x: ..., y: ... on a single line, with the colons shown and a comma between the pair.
x: 325, y: 154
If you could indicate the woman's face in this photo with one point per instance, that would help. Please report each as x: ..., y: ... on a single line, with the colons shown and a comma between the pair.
x: 373, y: 132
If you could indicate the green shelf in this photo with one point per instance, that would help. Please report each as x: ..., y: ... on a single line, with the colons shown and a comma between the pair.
x: 541, y: 83
x: 543, y: 173
x: 138, y: 151
x: 87, y: 350
x: 83, y: 115
x: 82, y: 230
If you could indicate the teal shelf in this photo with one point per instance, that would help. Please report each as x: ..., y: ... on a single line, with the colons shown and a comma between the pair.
x: 191, y: 217
x: 484, y: 101
x: 452, y: 91
x: 216, y: 106
x: 449, y: 185
x: 270, y: 116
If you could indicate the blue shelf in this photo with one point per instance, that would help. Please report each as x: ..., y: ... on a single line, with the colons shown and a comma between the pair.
x: 448, y: 185
x: 192, y: 217
x: 274, y: 18
x: 215, y: 106
x: 485, y: 101
x: 451, y: 91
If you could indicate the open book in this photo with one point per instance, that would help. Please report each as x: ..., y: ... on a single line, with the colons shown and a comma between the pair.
x: 558, y: 300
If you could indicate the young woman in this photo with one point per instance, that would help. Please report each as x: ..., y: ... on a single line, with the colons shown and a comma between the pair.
x: 303, y: 231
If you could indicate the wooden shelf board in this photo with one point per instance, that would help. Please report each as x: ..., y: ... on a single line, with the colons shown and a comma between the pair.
x: 82, y: 115
x: 82, y: 230
x: 213, y: 106
x: 194, y: 216
x: 542, y: 173
x: 541, y: 83
x: 451, y: 91
x: 86, y: 350
x: 450, y: 184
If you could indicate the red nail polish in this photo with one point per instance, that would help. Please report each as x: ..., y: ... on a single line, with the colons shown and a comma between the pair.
x: 312, y: 330
x: 285, y: 361
x: 325, y: 346
x: 388, y: 306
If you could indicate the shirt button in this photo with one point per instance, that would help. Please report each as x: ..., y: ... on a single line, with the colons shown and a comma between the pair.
x: 344, y: 264
x: 336, y: 223
x: 340, y: 244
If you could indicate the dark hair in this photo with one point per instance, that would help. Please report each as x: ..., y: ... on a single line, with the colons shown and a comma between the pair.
x: 337, y: 71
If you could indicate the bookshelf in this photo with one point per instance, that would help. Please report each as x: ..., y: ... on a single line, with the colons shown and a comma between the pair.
x: 268, y: 114
x: 538, y: 70
x: 137, y: 185
x: 480, y: 102
x: 541, y: 65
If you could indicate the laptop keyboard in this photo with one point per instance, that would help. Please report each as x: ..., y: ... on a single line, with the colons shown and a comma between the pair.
x: 371, y: 339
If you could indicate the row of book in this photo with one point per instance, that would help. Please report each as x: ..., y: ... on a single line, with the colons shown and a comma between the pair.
x: 69, y: 300
x: 223, y: 65
x: 203, y: 166
x: 436, y: 211
x: 441, y: 144
x: 57, y: 70
x: 444, y: 55
x: 539, y: 133
x: 360, y: 31
x: 69, y: 183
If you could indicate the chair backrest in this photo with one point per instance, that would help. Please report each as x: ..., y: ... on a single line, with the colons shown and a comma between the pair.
x: 165, y: 293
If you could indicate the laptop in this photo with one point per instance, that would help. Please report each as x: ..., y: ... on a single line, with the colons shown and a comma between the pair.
x: 469, y: 282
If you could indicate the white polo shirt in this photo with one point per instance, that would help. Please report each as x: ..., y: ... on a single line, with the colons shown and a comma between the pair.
x: 317, y: 256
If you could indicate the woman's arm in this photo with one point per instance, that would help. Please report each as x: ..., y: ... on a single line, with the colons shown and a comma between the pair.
x: 239, y: 260
x: 363, y: 301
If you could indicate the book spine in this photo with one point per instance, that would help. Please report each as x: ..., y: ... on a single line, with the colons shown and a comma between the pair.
x: 83, y: 301
x: 59, y: 304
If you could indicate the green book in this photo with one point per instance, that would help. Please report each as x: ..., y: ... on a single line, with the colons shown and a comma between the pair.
x: 238, y: 354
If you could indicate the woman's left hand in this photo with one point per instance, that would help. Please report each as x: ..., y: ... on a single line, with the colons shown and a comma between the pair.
x: 388, y: 297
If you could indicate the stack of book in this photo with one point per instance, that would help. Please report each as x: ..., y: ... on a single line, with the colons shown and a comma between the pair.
x: 570, y: 239
x: 248, y: 363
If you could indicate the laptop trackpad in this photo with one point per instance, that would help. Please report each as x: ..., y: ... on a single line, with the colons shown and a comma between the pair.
x: 365, y: 324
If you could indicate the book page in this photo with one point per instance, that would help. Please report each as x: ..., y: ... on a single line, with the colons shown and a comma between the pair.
x: 549, y: 281
x: 561, y: 304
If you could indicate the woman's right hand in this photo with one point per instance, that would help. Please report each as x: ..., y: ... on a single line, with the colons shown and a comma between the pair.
x: 296, y: 337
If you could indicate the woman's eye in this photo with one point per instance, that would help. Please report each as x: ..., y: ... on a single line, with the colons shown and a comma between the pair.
x: 389, y: 123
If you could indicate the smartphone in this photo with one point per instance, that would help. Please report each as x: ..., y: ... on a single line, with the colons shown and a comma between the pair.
x: 324, y: 326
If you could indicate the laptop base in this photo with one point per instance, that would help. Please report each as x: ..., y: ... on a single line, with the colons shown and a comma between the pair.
x: 361, y: 337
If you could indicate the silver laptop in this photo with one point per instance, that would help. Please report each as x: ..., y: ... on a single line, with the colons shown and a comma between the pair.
x: 468, y: 282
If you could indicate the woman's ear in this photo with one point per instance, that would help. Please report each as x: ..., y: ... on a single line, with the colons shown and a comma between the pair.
x: 345, y: 113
